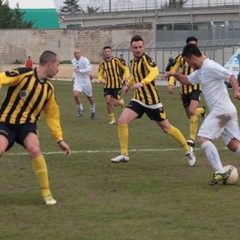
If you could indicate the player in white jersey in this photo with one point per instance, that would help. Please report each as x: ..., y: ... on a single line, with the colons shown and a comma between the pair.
x: 82, y: 82
x: 222, y: 120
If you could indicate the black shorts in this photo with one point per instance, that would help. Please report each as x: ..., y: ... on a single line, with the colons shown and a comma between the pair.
x: 158, y: 114
x: 194, y: 95
x: 114, y: 92
x: 16, y: 132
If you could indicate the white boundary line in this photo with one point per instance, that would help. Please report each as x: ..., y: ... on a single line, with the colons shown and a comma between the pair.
x: 109, y: 151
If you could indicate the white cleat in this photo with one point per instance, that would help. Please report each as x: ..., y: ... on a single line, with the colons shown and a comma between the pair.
x: 191, y: 142
x: 80, y: 113
x: 120, y: 158
x: 191, y: 158
x: 49, y: 200
x: 112, y: 122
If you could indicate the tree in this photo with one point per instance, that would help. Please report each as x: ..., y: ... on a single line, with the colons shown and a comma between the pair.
x: 71, y: 7
x: 92, y: 9
x: 18, y: 21
x: 12, y: 18
x: 175, y: 4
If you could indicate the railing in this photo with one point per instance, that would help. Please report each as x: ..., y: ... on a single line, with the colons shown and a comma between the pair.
x: 133, y: 5
x: 219, y: 50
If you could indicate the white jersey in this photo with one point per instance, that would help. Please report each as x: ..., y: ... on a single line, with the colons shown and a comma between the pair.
x: 222, y: 119
x: 85, y: 68
x: 212, y: 76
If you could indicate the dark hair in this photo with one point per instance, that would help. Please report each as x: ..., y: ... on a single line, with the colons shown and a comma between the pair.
x: 191, y: 38
x: 107, y: 47
x: 47, y: 56
x: 136, y: 38
x: 190, y: 50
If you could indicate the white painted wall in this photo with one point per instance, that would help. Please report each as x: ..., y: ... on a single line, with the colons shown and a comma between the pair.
x: 31, y: 4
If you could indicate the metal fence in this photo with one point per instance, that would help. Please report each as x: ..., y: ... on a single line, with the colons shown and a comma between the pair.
x: 133, y: 5
x: 218, y: 50
x: 203, y: 31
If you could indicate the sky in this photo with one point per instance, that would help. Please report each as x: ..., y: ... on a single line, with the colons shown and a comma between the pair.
x: 29, y: 4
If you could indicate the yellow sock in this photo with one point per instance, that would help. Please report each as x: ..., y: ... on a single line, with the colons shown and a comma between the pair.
x: 121, y: 101
x: 40, y: 168
x: 112, y: 117
x: 200, y: 111
x: 177, y: 135
x: 123, y: 138
x: 193, y: 127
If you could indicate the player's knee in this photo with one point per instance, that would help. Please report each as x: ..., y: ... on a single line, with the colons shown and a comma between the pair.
x: 1, y: 153
x: 115, y: 104
x: 201, y: 140
x: 76, y: 96
x: 108, y: 101
x: 165, y: 127
x: 233, y: 145
x: 33, y: 150
x: 191, y: 112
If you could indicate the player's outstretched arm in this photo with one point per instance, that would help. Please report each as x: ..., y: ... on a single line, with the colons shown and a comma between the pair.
x: 181, y: 78
x: 235, y: 87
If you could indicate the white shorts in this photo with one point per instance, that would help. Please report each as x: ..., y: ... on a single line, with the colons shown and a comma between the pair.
x: 85, y: 89
x: 216, y: 125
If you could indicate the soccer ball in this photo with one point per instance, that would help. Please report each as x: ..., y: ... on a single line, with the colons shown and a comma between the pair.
x: 233, y: 175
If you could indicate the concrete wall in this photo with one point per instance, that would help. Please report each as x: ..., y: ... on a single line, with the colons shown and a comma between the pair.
x: 18, y: 44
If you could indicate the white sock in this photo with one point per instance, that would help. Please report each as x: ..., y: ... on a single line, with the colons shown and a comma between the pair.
x: 212, y: 155
x: 80, y: 106
x: 92, y: 108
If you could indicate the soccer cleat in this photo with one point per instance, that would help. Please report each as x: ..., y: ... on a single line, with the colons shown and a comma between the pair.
x: 191, y: 158
x: 112, y: 122
x: 49, y: 200
x: 191, y: 142
x: 121, y: 103
x: 217, y: 177
x: 204, y: 114
x: 120, y: 158
x: 92, y: 117
x: 80, y: 112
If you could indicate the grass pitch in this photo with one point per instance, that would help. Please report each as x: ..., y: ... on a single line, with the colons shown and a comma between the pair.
x: 154, y: 196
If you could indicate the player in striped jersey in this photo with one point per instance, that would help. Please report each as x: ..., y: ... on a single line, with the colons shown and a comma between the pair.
x: 146, y: 100
x: 190, y: 94
x: 29, y: 92
x: 109, y: 69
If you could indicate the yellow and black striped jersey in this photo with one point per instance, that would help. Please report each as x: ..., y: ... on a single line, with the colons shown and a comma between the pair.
x: 110, y: 70
x: 180, y: 63
x: 145, y: 71
x: 26, y: 97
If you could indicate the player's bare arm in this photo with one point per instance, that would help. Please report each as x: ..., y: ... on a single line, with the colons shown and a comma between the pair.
x: 125, y: 90
x: 181, y: 78
x: 171, y: 89
x: 137, y: 85
x: 64, y: 146
x: 234, y: 83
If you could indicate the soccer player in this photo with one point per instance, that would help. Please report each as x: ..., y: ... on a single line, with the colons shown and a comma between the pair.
x: 82, y: 82
x: 29, y: 92
x: 109, y: 69
x: 146, y: 100
x: 124, y: 63
x: 190, y: 94
x: 222, y: 120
